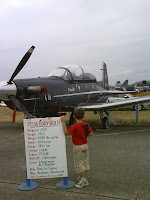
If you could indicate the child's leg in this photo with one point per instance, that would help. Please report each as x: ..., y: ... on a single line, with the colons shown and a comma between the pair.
x: 78, y: 158
x: 83, y: 174
x: 83, y: 181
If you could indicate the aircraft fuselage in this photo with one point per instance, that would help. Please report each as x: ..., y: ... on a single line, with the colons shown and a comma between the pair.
x: 61, y: 95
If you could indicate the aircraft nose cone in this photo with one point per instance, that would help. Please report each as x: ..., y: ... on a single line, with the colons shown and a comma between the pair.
x: 6, y: 90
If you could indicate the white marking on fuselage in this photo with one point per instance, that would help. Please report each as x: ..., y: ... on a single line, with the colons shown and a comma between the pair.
x: 76, y: 94
x: 71, y: 89
x: 31, y: 99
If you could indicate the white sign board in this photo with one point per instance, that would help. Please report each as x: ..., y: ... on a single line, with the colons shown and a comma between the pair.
x: 45, y: 148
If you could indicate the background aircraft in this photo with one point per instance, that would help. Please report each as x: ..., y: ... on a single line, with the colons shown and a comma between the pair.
x: 122, y: 97
x: 142, y: 85
x: 65, y: 88
x: 125, y: 86
x: 2, y: 103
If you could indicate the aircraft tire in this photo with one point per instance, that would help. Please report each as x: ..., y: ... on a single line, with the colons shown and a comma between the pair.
x: 105, y: 123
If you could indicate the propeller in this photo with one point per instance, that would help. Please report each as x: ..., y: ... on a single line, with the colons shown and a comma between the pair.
x: 20, y: 106
x: 8, y: 90
x: 22, y: 63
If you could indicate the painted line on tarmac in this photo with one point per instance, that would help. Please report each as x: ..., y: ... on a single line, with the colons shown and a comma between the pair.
x: 108, y: 134
x: 141, y: 130
x: 10, y: 139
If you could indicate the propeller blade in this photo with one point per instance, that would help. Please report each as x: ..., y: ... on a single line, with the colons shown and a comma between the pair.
x: 20, y: 106
x: 22, y: 63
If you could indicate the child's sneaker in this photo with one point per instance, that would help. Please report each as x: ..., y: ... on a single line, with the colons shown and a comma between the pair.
x: 82, y: 183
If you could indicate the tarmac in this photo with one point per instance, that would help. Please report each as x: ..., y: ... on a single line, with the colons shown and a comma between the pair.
x: 119, y: 161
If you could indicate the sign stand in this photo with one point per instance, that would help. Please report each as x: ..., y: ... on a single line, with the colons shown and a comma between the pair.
x: 65, y: 184
x: 108, y: 110
x: 137, y: 113
x: 28, y: 185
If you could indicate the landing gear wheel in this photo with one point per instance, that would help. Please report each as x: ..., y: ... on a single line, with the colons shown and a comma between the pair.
x: 105, y: 123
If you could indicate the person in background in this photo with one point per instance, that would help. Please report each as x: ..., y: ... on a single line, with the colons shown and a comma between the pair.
x: 79, y: 132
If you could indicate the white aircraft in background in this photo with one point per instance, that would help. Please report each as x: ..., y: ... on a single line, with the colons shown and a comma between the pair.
x: 2, y: 103
x: 119, y: 98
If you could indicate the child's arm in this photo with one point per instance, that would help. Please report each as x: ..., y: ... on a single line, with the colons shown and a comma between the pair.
x: 90, y: 134
x: 63, y: 120
x: 90, y: 131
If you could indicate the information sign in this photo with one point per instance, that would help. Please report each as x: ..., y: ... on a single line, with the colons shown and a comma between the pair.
x: 45, y: 148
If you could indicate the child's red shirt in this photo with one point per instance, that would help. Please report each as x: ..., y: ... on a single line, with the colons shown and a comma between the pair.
x: 78, y: 133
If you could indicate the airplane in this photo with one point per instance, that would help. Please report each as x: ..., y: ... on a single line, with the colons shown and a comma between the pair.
x: 140, y: 86
x: 143, y: 85
x: 2, y: 103
x: 64, y: 89
x: 125, y: 86
x: 122, y: 97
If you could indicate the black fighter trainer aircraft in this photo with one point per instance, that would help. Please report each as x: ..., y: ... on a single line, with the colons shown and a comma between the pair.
x: 65, y: 88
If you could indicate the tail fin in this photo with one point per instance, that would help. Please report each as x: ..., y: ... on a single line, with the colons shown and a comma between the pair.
x: 125, y: 83
x: 105, y: 76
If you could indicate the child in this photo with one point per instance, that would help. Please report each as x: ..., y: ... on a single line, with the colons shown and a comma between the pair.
x: 79, y: 132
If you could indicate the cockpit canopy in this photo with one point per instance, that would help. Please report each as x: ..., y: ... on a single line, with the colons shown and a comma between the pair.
x: 73, y: 73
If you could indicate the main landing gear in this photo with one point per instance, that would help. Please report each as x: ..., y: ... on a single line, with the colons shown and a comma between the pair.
x: 104, y: 121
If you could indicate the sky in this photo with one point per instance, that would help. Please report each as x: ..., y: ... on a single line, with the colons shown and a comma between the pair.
x: 83, y: 32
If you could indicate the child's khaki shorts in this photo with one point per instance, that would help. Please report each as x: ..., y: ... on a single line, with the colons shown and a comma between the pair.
x: 81, y: 158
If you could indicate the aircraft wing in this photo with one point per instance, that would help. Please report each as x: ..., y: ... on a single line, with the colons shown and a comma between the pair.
x: 117, y: 92
x: 107, y: 106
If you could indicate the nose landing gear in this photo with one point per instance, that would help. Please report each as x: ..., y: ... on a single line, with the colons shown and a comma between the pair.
x: 105, y: 123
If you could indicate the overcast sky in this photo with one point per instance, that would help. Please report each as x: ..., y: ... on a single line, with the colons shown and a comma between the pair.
x: 83, y: 32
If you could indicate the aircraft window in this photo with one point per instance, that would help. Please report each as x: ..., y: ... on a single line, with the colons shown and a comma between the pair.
x: 62, y: 73
x: 73, y: 72
x: 88, y: 76
x: 76, y: 71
